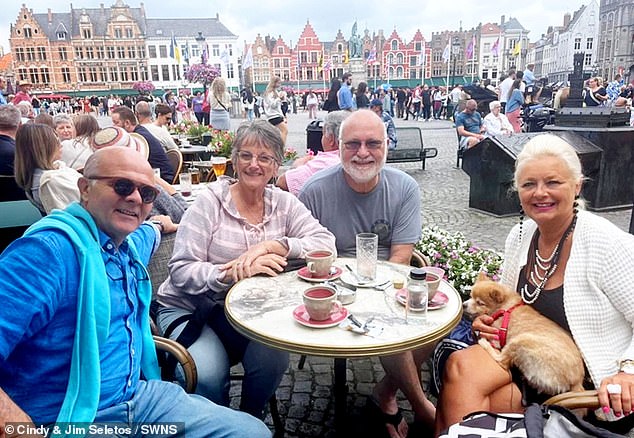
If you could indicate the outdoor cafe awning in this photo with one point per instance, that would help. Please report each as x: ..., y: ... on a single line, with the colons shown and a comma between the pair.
x: 53, y: 96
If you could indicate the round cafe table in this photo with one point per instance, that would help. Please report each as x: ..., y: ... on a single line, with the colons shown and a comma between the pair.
x: 261, y: 308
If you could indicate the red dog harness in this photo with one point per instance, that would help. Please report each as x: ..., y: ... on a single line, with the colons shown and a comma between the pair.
x: 506, y: 319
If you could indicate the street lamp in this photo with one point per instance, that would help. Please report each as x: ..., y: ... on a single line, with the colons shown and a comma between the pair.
x: 200, y: 39
x: 455, y: 50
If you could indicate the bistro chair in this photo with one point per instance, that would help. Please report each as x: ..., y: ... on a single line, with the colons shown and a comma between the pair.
x: 176, y: 160
x: 575, y: 400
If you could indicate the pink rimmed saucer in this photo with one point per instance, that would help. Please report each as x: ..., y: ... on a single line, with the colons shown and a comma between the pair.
x: 301, y: 316
x: 305, y: 274
x: 439, y: 301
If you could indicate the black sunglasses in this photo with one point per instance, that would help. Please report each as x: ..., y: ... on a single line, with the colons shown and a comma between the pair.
x: 125, y: 187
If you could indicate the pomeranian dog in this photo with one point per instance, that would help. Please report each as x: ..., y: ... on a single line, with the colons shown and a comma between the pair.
x: 545, y: 353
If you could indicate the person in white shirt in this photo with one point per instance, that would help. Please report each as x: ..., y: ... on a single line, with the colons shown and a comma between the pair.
x: 505, y: 88
x: 158, y: 127
x: 496, y: 123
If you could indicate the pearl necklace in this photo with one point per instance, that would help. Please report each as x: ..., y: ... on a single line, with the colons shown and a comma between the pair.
x: 547, y: 265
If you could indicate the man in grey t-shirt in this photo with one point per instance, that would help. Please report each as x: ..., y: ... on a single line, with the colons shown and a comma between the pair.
x: 361, y: 195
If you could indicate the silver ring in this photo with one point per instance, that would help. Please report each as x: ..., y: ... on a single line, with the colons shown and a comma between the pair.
x: 476, y: 333
x: 613, y: 388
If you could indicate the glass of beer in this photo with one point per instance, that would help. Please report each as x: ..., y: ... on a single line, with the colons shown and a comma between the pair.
x: 186, y: 183
x: 219, y: 165
x: 195, y: 173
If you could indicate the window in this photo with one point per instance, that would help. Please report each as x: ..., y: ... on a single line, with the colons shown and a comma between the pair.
x: 412, y: 74
x: 286, y: 63
x: 195, y: 50
x: 577, y: 43
x: 339, y: 47
x: 151, y: 51
x: 22, y: 74
x: 28, y: 32
x: 41, y: 53
x: 587, y: 59
x: 163, y: 51
x: 117, y: 33
x: 394, y: 45
x: 215, y: 50
x: 93, y: 74
x: 418, y: 46
x: 134, y: 73
x: 313, y: 57
x: 61, y: 35
x: 100, y: 52
x: 44, y: 75
x: 79, y: 53
x: 86, y: 34
x: 66, y: 74
x: 141, y: 52
x: 19, y: 54
x: 412, y: 61
x: 390, y: 58
x: 30, y: 54
x: 103, y: 75
x: 485, y: 59
x: 303, y: 57
x: 90, y: 53
x: 486, y: 47
x: 229, y: 48
x: 132, y: 52
x: 128, y: 32
x: 165, y: 70
x: 399, y: 58
x: 110, y: 52
x: 154, y: 73
x: 63, y: 55
x: 230, y: 73
x: 82, y: 75
x: 399, y: 72
x: 176, y: 72
x: 589, y: 43
x: 121, y: 52
x: 280, y: 50
x: 114, y: 74
x: 437, y: 71
x: 309, y: 74
x: 124, y: 74
x: 277, y: 63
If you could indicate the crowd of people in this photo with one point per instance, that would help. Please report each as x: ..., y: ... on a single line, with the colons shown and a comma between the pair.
x: 83, y: 315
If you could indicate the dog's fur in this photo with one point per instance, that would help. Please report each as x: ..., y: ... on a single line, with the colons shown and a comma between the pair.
x: 544, y: 352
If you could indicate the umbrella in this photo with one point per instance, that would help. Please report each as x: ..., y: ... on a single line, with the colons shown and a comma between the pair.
x: 385, y: 86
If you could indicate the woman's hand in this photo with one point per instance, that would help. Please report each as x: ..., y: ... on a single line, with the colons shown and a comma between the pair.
x: 482, y: 328
x: 268, y: 264
x: 617, y: 392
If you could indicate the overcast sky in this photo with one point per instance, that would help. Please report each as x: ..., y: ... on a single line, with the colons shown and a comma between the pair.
x: 247, y: 18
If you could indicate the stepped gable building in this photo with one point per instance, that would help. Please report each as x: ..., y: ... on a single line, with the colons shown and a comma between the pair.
x: 282, y: 63
x: 309, y: 51
x: 97, y: 48
x: 489, y: 60
x: 261, y: 61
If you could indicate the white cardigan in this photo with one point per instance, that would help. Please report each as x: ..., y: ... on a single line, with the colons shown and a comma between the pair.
x: 598, y: 289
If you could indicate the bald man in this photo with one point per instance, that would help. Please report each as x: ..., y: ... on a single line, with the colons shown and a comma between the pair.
x: 84, y: 314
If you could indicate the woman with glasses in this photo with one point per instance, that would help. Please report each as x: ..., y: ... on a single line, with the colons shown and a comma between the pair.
x: 47, y: 181
x: 236, y: 229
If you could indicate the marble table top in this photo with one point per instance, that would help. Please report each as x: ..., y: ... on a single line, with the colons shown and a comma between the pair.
x: 261, y: 308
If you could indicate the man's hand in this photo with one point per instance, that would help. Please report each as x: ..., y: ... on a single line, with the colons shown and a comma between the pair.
x: 13, y: 420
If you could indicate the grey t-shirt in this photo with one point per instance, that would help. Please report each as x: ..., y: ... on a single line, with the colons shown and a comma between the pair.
x: 391, y: 210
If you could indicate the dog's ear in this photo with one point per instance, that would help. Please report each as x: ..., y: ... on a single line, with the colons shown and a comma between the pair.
x: 498, y: 294
x: 482, y: 276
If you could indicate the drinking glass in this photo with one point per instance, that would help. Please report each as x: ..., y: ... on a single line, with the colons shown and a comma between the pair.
x: 219, y: 165
x: 367, y: 251
x: 186, y: 183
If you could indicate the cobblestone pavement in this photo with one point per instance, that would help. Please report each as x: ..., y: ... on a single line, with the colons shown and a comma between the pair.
x: 305, y: 397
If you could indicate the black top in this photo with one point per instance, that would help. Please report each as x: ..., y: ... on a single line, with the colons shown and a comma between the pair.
x: 158, y: 157
x: 549, y: 303
x: 9, y: 189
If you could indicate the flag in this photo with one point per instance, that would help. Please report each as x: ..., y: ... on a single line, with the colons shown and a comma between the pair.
x: 328, y: 66
x: 320, y: 64
x: 471, y: 47
x: 495, y: 49
x: 248, y: 59
x: 421, y: 61
x: 175, y: 51
x: 372, y: 56
x: 517, y: 48
x: 224, y: 56
x: 186, y: 53
x: 446, y: 54
x: 204, y: 57
x: 346, y: 57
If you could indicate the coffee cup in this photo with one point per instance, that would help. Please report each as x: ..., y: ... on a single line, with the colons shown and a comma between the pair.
x: 320, y: 302
x: 319, y: 262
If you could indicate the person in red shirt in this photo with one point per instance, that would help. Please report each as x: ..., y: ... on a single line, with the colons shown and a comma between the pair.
x: 24, y: 93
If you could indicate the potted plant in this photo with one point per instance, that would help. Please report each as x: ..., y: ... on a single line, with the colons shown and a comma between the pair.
x: 461, y: 260
x: 220, y: 143
x: 290, y: 155
x: 144, y: 87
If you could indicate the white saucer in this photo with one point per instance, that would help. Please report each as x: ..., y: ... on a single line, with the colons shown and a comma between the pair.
x: 305, y: 274
x: 349, y: 278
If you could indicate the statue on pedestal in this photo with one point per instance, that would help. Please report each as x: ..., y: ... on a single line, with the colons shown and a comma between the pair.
x: 355, y: 46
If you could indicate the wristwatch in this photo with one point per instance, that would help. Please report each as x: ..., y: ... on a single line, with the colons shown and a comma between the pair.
x: 162, y: 228
x: 626, y: 366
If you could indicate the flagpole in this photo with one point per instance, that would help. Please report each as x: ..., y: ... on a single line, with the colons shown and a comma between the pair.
x: 448, y: 61
x: 473, y: 58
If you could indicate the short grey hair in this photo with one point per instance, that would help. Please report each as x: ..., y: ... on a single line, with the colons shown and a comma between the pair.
x: 494, y: 104
x: 10, y: 117
x: 259, y: 132
x: 58, y: 119
x: 333, y: 121
x: 25, y: 108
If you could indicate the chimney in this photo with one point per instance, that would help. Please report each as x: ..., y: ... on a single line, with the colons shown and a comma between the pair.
x: 566, y: 19
x: 502, y: 19
x: 50, y: 15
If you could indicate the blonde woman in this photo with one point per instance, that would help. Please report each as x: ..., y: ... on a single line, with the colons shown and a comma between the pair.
x: 76, y: 151
x: 273, y: 106
x: 219, y: 102
x: 47, y: 181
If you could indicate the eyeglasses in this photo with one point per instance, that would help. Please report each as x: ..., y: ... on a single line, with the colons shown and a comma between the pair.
x: 263, y: 159
x: 371, y: 145
x: 125, y: 187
